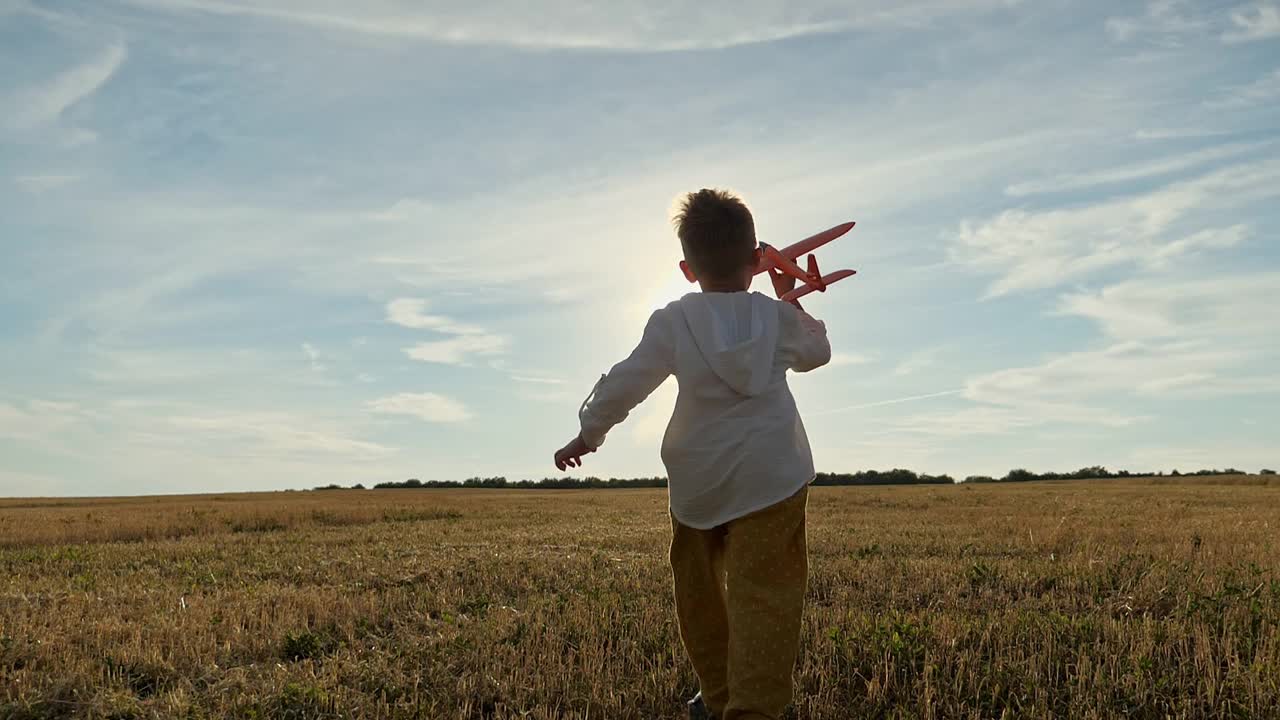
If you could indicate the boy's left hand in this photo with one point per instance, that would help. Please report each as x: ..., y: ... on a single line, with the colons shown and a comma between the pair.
x: 571, y: 455
x: 782, y: 282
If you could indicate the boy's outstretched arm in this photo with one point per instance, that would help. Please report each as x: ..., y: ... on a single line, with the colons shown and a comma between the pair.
x: 626, y: 385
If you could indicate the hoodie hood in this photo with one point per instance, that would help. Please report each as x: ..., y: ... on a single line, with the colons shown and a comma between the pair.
x: 737, y: 334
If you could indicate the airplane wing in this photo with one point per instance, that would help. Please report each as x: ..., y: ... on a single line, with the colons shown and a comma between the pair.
x: 809, y: 244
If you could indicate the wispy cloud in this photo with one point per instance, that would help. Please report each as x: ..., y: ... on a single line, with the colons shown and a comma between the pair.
x: 1175, y: 133
x: 894, y: 401
x: 39, y: 105
x: 1258, y: 22
x: 1164, y: 166
x: 1236, y: 306
x: 424, y: 406
x: 275, y: 434
x: 1081, y: 386
x: 1165, y: 22
x: 573, y: 24
x: 42, y: 183
x: 38, y: 419
x: 313, y: 356
x: 1162, y: 385
x: 470, y: 341
x: 1167, y: 338
x: 1264, y: 90
x: 411, y: 313
x: 1164, y: 339
x: 1030, y: 250
x: 537, y: 380
x: 1211, y: 239
x: 458, y: 350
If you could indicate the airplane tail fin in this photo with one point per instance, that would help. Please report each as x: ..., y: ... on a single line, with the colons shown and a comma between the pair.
x: 813, y: 265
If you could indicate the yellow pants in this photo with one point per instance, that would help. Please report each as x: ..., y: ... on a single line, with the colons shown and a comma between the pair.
x: 739, y: 591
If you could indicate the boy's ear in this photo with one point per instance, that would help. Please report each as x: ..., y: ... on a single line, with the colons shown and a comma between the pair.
x: 688, y: 271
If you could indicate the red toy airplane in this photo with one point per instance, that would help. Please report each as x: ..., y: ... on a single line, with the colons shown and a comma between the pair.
x: 783, y: 260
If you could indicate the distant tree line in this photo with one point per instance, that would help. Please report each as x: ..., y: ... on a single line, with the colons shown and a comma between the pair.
x: 1095, y: 472
x: 563, y: 483
x: 896, y: 476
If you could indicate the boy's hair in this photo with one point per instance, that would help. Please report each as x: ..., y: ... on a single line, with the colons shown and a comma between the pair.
x: 717, y: 233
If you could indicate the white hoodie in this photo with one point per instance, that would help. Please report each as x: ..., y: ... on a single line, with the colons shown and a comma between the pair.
x: 735, y: 443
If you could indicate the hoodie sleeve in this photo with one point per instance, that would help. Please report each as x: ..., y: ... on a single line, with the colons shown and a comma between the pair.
x: 629, y: 382
x: 803, y: 339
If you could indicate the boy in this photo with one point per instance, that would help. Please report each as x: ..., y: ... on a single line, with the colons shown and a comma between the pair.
x: 737, y: 458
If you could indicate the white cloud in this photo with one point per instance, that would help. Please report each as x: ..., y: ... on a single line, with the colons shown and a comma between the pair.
x: 470, y: 341
x: 458, y: 350
x: 313, y: 356
x: 1076, y: 386
x: 1174, y: 133
x: 1254, y: 23
x: 1079, y: 181
x: 537, y: 380
x: 1162, y: 385
x: 1030, y: 250
x: 40, y: 105
x: 426, y: 406
x: 1240, y: 307
x: 1166, y: 339
x: 411, y: 313
x: 273, y: 434
x: 1164, y: 21
x: 39, y: 419
x: 41, y: 183
x: 662, y: 25
x: 1265, y: 89
x: 1211, y: 239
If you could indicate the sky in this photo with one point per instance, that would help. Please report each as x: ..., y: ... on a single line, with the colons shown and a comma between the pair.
x: 261, y: 246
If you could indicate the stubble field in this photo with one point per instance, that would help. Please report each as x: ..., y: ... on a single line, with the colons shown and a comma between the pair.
x: 1138, y: 598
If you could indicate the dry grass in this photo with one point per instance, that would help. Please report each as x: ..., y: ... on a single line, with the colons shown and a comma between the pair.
x: 1073, y: 599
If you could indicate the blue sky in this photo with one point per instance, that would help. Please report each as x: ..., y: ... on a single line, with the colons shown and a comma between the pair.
x: 335, y: 242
